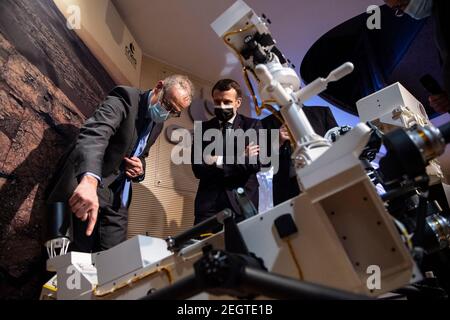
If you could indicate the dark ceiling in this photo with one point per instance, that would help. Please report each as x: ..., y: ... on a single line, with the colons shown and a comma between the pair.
x: 403, y: 50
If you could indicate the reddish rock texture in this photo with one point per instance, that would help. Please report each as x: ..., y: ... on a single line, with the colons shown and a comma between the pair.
x: 38, y: 31
x: 38, y: 120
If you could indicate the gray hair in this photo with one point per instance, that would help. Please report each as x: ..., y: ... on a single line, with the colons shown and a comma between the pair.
x: 182, y: 82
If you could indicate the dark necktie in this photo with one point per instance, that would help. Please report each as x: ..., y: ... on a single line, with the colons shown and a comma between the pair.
x: 226, y: 126
x: 226, y: 131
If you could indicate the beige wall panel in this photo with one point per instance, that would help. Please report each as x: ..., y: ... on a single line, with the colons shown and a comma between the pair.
x: 107, y: 36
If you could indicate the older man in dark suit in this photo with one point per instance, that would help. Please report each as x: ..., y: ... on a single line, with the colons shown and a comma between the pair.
x: 95, y: 174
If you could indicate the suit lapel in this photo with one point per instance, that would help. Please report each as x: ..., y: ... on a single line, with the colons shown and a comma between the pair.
x: 238, y: 122
x: 143, y: 107
x: 156, y: 130
x: 215, y: 124
x: 139, y: 121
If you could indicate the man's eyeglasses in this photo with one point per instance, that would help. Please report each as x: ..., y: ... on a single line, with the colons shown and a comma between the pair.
x: 174, y: 112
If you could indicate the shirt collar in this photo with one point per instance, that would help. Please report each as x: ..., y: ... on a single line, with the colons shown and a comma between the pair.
x: 231, y: 120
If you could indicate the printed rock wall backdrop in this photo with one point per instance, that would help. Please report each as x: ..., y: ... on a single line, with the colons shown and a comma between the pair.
x: 49, y: 84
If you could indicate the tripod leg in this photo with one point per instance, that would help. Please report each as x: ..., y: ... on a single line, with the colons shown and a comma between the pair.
x: 278, y: 287
x: 183, y: 289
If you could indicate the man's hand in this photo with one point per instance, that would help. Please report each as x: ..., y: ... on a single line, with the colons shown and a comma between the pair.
x: 284, y: 135
x: 252, y: 150
x: 133, y: 167
x: 84, y: 202
x: 210, y: 160
x: 440, y: 103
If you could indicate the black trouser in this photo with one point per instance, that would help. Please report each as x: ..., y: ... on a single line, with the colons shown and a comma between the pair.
x: 221, y: 203
x: 110, y: 230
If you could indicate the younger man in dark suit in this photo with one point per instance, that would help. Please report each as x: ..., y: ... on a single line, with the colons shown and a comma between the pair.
x: 220, y: 174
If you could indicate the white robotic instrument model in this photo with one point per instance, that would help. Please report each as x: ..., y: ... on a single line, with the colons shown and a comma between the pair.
x: 344, y: 230
x: 395, y: 107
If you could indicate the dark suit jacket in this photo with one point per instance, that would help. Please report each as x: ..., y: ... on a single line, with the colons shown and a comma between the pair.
x: 285, y: 185
x: 441, y: 13
x: 104, y: 141
x: 215, y: 190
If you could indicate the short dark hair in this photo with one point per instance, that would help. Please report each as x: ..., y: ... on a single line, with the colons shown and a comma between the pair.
x: 227, y: 84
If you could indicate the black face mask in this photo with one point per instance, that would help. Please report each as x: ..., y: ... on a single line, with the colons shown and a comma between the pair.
x: 224, y: 114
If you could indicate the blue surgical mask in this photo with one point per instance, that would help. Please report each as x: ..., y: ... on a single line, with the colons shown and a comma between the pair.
x: 419, y: 9
x: 157, y: 112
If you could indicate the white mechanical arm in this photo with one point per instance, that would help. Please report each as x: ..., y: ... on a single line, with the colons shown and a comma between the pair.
x: 248, y: 36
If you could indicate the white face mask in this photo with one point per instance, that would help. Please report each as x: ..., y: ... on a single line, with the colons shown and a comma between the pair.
x: 419, y: 9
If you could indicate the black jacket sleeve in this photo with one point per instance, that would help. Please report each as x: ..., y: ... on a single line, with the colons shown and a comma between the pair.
x: 202, y: 170
x: 211, y: 172
x: 232, y: 170
x: 95, y: 134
